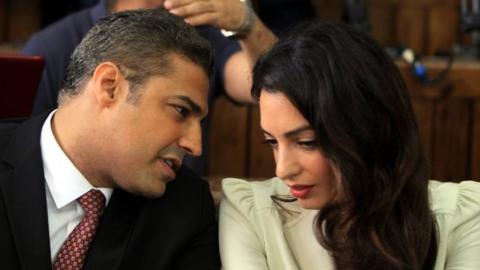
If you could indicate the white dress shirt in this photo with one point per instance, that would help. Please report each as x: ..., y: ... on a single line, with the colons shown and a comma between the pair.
x: 64, y: 185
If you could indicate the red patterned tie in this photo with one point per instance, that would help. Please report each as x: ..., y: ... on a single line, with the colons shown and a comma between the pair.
x: 73, y: 251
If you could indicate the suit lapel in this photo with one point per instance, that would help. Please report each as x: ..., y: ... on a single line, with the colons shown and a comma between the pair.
x: 23, y: 188
x: 114, y: 232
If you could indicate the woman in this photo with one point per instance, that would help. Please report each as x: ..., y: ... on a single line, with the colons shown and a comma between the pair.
x: 352, y: 190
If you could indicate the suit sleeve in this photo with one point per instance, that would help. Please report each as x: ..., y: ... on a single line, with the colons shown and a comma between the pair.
x: 202, y: 253
x: 241, y: 246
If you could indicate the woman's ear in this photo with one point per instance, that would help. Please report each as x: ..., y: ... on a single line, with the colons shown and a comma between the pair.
x: 108, y: 81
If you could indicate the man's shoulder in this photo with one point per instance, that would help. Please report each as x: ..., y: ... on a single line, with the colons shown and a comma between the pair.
x: 19, y: 135
x: 66, y: 31
x: 7, y: 129
x: 187, y: 200
x: 187, y: 182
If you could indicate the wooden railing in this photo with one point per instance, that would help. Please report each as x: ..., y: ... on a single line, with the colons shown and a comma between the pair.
x: 449, y: 118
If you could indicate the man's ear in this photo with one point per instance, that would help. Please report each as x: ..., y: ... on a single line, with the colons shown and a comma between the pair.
x: 108, y: 81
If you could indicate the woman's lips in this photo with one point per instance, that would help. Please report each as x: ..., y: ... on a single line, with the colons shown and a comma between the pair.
x: 300, y: 191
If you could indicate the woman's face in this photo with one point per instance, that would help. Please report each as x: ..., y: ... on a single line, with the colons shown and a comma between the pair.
x: 299, y: 161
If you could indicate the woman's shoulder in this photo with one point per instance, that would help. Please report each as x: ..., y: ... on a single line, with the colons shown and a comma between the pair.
x: 456, y: 207
x: 253, y: 202
x: 252, y: 193
x: 460, y: 201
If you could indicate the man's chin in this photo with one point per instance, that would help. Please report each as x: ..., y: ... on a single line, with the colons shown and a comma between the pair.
x: 151, y: 192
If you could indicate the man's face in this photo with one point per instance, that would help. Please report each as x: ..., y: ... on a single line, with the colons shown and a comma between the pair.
x: 148, y: 138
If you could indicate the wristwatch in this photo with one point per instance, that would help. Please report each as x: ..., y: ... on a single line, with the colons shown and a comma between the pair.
x: 246, y: 26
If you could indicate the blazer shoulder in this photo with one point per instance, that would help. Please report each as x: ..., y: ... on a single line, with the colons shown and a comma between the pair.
x: 7, y: 130
x: 18, y: 137
x: 258, y: 193
x: 186, y: 177
x: 187, y: 189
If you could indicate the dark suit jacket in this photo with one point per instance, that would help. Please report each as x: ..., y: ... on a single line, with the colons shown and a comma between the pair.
x: 175, y: 231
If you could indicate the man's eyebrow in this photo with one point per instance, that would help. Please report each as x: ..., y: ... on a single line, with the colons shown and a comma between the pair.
x: 292, y: 132
x: 194, y: 106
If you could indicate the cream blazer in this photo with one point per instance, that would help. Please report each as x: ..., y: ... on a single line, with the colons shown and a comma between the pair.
x: 257, y: 234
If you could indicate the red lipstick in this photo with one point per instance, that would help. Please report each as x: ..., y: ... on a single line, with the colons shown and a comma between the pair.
x: 300, y: 191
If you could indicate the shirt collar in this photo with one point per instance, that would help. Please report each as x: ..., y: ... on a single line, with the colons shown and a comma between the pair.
x: 65, y: 182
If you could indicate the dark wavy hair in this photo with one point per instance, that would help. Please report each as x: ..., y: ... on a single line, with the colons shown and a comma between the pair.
x: 354, y: 98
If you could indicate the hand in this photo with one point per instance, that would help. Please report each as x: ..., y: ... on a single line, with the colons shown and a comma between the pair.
x: 223, y: 14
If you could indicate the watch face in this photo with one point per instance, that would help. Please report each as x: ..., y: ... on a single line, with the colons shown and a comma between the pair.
x: 227, y: 33
x: 246, y: 26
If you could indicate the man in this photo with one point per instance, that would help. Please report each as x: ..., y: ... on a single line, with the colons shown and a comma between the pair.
x: 130, y: 109
x: 231, y: 66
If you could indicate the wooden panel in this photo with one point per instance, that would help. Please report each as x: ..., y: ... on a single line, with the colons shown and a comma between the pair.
x: 427, y: 3
x: 424, y: 25
x: 24, y: 19
x: 227, y: 141
x: 328, y: 10
x: 381, y: 15
x: 410, y: 26
x: 451, y: 146
x: 3, y: 20
x: 455, y: 130
x: 443, y: 28
x: 475, y: 166
x: 462, y: 80
x: 424, y: 110
x: 261, y: 162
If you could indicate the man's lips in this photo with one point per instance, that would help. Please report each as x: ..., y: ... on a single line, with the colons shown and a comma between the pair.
x: 170, y: 165
x: 300, y: 191
x: 173, y: 162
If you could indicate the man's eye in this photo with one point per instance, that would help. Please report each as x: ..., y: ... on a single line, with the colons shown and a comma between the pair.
x: 271, y: 142
x: 183, y: 111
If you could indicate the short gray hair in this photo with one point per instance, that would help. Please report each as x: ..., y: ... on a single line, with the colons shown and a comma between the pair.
x: 139, y: 42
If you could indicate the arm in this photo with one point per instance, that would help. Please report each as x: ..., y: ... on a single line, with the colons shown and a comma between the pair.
x: 230, y: 15
x: 240, y: 246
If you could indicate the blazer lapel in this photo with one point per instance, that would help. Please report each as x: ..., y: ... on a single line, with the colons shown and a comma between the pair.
x: 114, y: 232
x: 23, y: 188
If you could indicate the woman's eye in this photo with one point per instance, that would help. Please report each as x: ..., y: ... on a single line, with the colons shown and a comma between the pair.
x: 308, y: 144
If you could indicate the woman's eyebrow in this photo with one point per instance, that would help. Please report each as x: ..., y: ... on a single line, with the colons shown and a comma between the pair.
x: 292, y: 132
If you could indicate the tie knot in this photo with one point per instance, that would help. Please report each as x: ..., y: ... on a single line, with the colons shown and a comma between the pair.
x: 92, y: 202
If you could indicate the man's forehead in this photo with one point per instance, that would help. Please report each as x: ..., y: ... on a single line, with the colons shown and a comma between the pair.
x: 185, y: 81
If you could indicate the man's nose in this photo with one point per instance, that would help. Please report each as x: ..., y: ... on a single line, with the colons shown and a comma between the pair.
x: 287, y: 166
x: 191, y: 140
